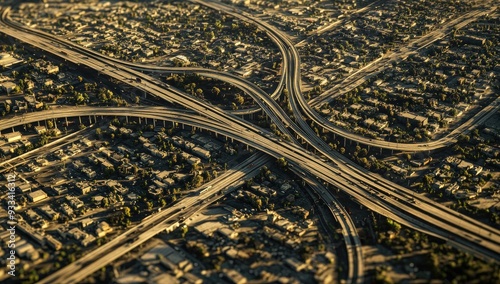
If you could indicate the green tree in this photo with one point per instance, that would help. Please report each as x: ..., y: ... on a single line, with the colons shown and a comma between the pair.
x: 215, y: 91
x: 218, y: 25
x: 199, y: 92
x: 126, y: 212
x: 197, y: 181
x: 184, y: 231
x: 463, y: 138
x: 78, y: 98
x: 282, y: 163
x: 394, y: 225
x: 210, y: 35
x: 239, y: 99
x: 285, y: 92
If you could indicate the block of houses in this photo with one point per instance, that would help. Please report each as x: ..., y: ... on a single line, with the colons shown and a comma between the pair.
x: 77, y: 234
x: 162, y: 175
x: 85, y: 141
x: 8, y: 86
x: 474, y: 40
x: 75, y: 202
x: 193, y: 160
x: 26, y: 250
x: 68, y: 211
x: 31, y: 232
x: 228, y: 233
x: 89, y: 172
x: 13, y: 136
x: 86, y: 222
x: 24, y: 186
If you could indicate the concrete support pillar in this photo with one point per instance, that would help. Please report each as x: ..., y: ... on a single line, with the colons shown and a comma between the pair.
x: 154, y: 122
x: 344, y: 142
x: 66, y: 119
x: 80, y: 119
x: 126, y: 119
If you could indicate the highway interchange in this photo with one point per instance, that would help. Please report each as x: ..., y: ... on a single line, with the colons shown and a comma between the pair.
x: 369, y: 190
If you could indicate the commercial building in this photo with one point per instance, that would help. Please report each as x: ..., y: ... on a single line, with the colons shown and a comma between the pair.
x: 38, y: 195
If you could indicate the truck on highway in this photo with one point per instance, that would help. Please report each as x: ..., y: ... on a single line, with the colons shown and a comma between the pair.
x: 138, y: 80
x: 205, y: 189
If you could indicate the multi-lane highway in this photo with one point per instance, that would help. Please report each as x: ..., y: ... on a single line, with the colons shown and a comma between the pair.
x: 255, y: 91
x: 292, y: 63
x: 291, y: 60
x: 412, y: 210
